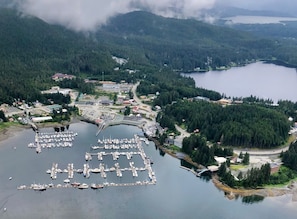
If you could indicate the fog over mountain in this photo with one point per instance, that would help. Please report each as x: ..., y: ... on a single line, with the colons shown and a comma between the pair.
x: 87, y: 15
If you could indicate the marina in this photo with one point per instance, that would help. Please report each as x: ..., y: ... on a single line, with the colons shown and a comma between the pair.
x: 52, y: 140
x: 125, y: 149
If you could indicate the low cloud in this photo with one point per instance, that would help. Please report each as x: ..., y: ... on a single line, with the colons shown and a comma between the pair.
x: 87, y: 15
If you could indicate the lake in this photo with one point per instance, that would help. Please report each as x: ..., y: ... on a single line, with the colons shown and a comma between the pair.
x: 177, y: 194
x: 259, y: 79
x: 258, y: 20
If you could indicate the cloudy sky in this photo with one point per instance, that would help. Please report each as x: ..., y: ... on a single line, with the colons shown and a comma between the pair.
x: 85, y: 15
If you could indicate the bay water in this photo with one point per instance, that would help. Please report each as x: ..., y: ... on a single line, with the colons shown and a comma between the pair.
x: 177, y: 194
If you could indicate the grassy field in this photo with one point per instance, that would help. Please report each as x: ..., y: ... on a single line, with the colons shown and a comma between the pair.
x: 4, y: 125
x: 237, y: 166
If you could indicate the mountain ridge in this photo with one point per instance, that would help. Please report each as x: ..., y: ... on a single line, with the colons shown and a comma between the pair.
x: 34, y: 49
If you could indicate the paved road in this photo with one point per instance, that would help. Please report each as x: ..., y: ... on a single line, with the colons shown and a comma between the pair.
x: 145, y: 107
x: 259, y: 152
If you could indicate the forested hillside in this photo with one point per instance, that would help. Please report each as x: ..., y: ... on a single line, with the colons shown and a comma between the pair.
x: 235, y: 125
x: 185, y: 44
x: 32, y: 50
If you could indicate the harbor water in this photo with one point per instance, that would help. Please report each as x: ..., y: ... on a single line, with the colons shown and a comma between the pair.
x: 178, y: 193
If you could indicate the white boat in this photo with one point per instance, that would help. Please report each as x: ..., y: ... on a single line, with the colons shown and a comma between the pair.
x: 39, y: 187
x: 95, y: 170
x: 83, y: 186
x: 79, y: 171
x: 97, y: 186
x: 66, y: 180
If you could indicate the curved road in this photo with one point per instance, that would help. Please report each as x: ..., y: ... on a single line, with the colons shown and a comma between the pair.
x: 260, y: 152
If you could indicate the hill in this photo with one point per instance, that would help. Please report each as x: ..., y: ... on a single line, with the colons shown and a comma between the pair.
x: 32, y: 50
x: 183, y: 44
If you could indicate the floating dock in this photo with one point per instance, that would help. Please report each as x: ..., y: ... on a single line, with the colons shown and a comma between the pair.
x: 117, y: 147
x: 52, y: 140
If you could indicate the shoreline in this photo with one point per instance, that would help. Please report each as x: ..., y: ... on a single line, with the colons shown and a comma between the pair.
x: 230, y: 193
x: 11, y: 131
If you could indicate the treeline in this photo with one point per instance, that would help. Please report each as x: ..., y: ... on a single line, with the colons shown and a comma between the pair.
x: 56, y: 98
x: 78, y: 84
x: 289, y: 157
x: 171, y: 86
x: 235, y: 125
x: 254, y: 177
x: 62, y: 115
x: 196, y: 146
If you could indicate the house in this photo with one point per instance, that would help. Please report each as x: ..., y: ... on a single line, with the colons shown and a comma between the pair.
x: 274, y: 168
x: 224, y: 101
x: 200, y: 98
x: 220, y: 160
x: 61, y: 76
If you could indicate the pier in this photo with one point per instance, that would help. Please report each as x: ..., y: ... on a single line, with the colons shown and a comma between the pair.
x: 127, y: 148
x: 52, y: 140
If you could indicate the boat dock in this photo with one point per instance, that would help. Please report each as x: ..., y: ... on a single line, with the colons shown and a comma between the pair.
x: 43, y: 187
x: 117, y: 146
x: 52, y: 140
x: 70, y: 170
x: 115, y: 155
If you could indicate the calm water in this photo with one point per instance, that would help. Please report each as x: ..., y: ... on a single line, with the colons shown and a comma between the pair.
x: 177, y: 194
x: 257, y: 79
x: 257, y: 20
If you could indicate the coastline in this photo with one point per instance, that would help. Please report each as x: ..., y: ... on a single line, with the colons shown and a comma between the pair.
x: 230, y: 193
x: 11, y: 131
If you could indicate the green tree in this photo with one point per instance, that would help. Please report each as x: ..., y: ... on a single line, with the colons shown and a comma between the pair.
x: 246, y: 159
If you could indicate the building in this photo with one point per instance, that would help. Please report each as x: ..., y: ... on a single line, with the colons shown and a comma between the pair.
x: 57, y: 89
x: 41, y: 119
x: 224, y: 101
x: 61, y: 77
x: 274, y: 168
x: 200, y: 98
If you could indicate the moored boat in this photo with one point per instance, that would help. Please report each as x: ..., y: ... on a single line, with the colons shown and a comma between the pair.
x: 39, y: 187
x: 97, y: 186
x: 75, y: 184
x: 83, y: 186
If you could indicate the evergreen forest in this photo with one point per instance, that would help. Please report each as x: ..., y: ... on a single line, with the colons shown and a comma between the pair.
x: 32, y: 51
x: 244, y: 125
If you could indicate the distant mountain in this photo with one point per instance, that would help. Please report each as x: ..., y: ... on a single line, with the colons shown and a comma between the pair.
x: 285, y: 29
x: 32, y: 50
x: 222, y: 12
x: 181, y: 43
